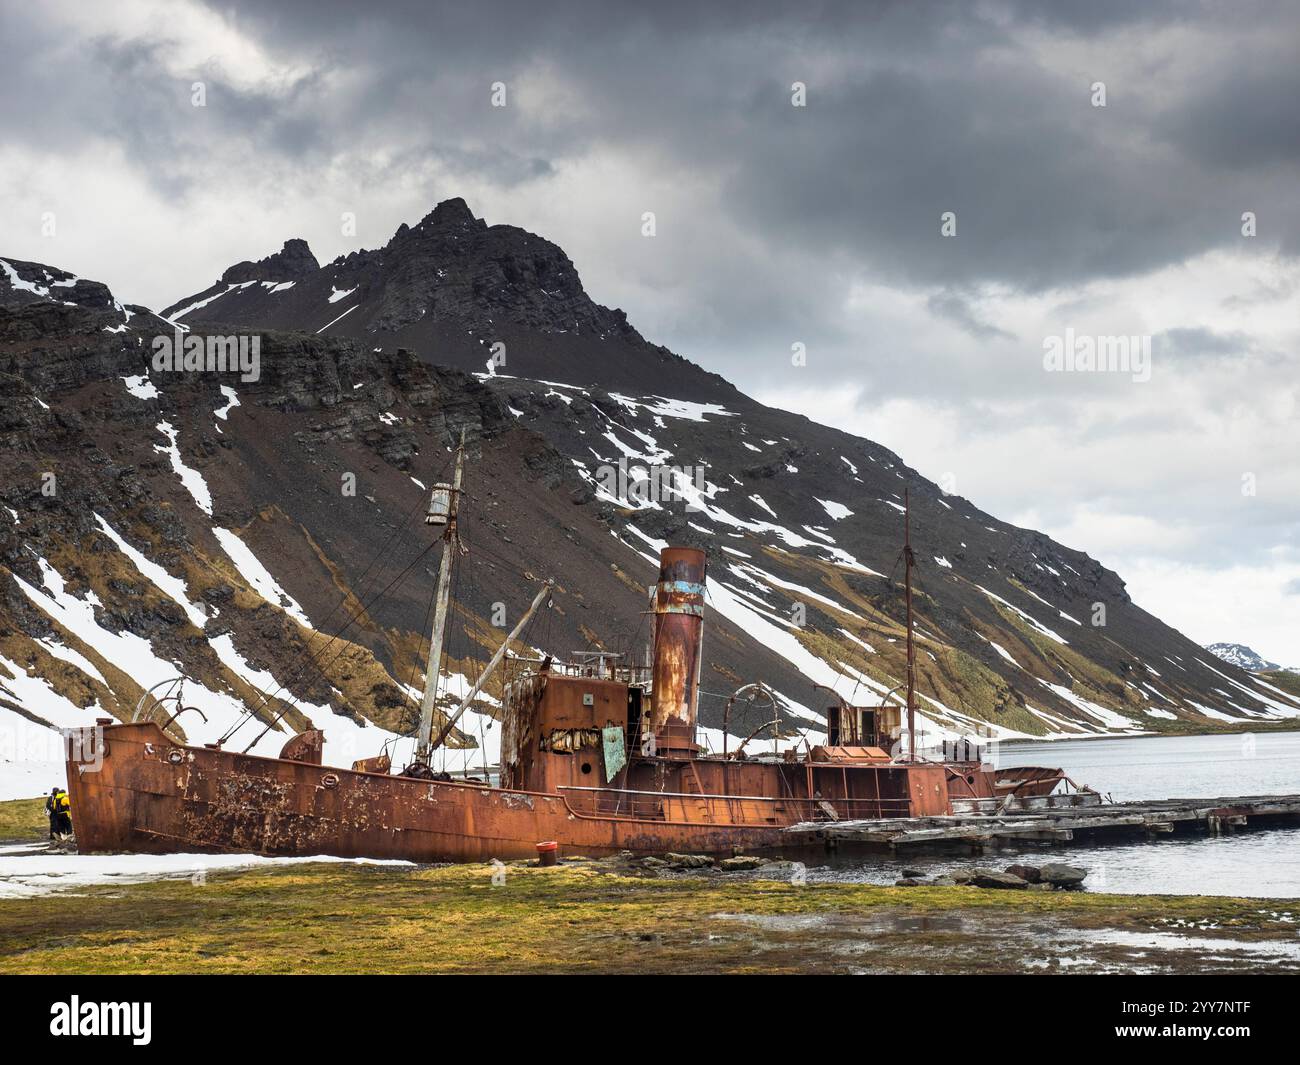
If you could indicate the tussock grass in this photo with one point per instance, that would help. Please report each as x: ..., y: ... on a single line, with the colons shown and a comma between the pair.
x: 573, y: 918
x: 24, y: 819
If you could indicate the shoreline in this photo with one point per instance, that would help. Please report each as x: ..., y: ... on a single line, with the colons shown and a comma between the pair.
x: 584, y: 916
x: 197, y: 914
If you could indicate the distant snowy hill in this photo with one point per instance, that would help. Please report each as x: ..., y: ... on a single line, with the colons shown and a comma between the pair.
x: 1242, y: 656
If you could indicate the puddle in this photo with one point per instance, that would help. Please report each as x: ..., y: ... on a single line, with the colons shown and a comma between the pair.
x: 899, y: 942
x: 877, y: 923
x: 1288, y: 950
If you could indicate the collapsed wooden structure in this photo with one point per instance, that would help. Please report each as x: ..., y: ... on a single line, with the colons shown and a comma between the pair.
x: 1052, y: 821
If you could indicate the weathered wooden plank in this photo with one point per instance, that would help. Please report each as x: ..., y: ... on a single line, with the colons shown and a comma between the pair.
x: 1153, y: 817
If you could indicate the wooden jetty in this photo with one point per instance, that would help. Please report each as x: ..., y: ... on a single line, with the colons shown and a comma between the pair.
x: 1100, y: 822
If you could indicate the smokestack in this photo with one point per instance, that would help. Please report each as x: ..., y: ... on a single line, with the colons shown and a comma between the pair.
x: 679, y: 632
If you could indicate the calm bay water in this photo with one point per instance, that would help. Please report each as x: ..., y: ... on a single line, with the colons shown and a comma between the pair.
x: 1172, y: 767
x: 1263, y: 864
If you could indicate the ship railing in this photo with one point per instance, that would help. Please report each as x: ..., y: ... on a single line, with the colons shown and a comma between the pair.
x: 700, y: 807
x: 627, y: 674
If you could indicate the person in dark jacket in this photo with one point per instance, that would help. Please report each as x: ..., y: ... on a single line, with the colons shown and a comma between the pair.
x: 59, y: 808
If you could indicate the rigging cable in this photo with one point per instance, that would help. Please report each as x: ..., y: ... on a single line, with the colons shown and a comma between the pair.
x: 336, y: 657
x: 314, y: 656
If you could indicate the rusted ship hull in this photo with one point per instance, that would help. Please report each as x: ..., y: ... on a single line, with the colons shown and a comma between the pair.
x: 151, y: 795
x: 595, y: 756
x: 144, y: 792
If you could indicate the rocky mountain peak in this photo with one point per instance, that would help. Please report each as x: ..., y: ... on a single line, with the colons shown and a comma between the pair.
x: 453, y: 213
x: 293, y: 262
x: 453, y: 283
x: 28, y: 283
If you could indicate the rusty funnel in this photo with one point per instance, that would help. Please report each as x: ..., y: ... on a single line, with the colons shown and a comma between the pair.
x: 679, y: 632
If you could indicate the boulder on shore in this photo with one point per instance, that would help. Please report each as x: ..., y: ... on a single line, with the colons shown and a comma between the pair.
x: 741, y: 862
x: 688, y: 861
x: 1030, y: 873
x: 1066, y: 877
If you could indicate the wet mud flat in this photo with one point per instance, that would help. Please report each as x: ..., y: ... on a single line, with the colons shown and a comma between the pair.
x: 900, y: 940
x: 586, y: 916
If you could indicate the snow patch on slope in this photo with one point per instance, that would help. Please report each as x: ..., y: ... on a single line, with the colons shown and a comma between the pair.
x: 190, y: 477
x: 141, y: 387
x: 172, y: 587
x: 838, y: 511
x: 257, y: 575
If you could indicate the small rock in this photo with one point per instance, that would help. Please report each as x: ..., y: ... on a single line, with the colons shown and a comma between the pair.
x: 688, y: 861
x: 1040, y: 887
x: 963, y: 876
x: 943, y: 881
x: 911, y: 874
x: 991, y: 878
x: 1030, y: 873
x: 741, y: 862
x: 1067, y: 877
x: 909, y: 881
x: 652, y: 862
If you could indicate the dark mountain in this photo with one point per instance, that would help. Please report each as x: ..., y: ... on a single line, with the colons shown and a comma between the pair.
x: 453, y: 285
x: 293, y: 262
x: 158, y: 523
x: 163, y: 521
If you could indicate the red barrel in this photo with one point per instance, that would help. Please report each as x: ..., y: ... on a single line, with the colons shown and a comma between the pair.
x: 548, y: 853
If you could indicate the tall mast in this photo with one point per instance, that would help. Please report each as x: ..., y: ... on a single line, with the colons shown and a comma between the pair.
x: 450, y: 547
x: 908, y: 562
x: 547, y: 587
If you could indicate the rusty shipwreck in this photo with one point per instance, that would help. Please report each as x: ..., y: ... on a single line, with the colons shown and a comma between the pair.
x: 598, y: 756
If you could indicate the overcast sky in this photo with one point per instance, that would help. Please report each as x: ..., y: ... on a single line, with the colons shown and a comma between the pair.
x: 776, y: 224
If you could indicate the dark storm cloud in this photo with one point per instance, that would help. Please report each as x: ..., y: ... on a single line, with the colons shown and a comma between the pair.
x: 913, y: 109
x: 1243, y: 118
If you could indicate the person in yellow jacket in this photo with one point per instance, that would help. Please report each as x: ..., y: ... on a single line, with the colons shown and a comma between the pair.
x: 59, y: 808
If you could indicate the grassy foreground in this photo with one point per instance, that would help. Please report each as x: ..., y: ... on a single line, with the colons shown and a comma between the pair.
x: 343, y: 918
x: 24, y: 820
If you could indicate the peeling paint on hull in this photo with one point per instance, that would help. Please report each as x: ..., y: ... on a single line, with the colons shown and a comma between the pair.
x: 154, y: 796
